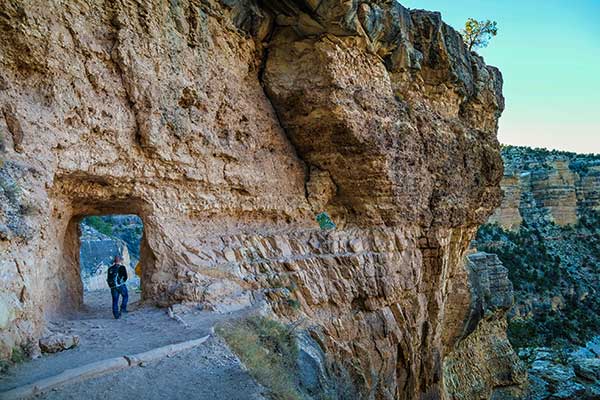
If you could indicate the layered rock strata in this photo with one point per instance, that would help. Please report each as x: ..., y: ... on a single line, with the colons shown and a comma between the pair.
x: 549, y: 239
x: 226, y: 126
x: 544, y: 186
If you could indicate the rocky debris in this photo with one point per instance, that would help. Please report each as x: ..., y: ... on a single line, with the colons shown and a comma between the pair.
x: 225, y: 296
x: 33, y: 350
x: 57, y: 341
x: 227, y: 126
x: 561, y: 373
x: 588, y: 369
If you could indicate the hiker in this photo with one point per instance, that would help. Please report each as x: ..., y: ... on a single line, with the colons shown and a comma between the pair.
x: 116, y: 278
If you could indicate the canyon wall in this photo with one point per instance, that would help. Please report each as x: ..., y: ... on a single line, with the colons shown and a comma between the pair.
x: 547, y: 234
x: 542, y: 186
x: 96, y: 255
x: 227, y: 126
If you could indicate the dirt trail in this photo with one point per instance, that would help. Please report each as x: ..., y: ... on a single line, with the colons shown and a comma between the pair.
x: 201, y: 373
x: 209, y: 372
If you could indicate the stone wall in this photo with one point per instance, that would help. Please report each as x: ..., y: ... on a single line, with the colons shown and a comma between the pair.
x: 227, y: 126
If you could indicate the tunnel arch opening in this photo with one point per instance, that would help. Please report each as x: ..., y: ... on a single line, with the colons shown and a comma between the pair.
x: 69, y: 285
x: 101, y: 239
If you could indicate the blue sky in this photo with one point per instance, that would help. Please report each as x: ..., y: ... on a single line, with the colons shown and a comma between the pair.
x: 549, y: 54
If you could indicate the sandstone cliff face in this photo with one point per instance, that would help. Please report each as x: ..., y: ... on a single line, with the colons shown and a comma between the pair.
x: 541, y: 186
x: 226, y: 126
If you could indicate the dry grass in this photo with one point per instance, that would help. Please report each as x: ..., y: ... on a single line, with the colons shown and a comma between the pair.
x: 269, y: 350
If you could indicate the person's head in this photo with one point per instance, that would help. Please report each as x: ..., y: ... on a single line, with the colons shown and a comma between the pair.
x: 118, y: 259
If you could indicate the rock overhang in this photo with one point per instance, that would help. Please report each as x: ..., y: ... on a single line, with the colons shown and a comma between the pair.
x: 227, y: 126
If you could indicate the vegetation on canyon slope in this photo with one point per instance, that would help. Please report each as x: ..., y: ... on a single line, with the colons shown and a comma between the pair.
x: 128, y: 228
x: 555, y: 272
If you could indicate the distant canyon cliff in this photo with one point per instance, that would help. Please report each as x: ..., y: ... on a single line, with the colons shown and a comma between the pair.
x: 547, y: 234
x: 542, y: 186
x: 227, y: 126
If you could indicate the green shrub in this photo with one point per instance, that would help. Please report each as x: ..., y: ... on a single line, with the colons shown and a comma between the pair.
x: 99, y: 224
x: 17, y: 356
x: 545, y: 260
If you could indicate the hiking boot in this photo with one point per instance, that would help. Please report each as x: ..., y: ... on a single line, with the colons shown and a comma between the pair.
x: 118, y: 316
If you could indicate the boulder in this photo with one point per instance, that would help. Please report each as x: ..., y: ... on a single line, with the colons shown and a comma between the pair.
x: 58, y: 342
x: 311, y: 364
x: 588, y: 369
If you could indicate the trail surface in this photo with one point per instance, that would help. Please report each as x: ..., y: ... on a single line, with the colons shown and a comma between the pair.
x: 210, y: 371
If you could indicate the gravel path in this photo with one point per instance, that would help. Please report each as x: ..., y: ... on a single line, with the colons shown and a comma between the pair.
x: 194, y: 374
x: 208, y: 372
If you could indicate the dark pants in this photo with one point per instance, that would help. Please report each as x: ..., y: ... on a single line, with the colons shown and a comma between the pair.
x: 115, y: 292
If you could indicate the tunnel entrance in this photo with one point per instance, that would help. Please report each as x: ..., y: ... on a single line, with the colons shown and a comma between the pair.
x: 101, y: 238
x: 93, y: 235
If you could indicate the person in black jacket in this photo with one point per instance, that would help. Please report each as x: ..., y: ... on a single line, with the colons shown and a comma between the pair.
x: 116, y: 278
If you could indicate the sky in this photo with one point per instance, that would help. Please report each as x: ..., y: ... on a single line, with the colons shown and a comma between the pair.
x: 549, y: 55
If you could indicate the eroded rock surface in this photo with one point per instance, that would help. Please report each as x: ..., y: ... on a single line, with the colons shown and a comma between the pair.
x: 227, y: 126
x: 483, y: 363
x: 542, y: 186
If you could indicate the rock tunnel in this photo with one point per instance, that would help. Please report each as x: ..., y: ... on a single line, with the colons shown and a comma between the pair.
x: 68, y: 294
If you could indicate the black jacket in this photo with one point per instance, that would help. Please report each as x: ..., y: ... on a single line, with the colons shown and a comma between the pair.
x: 116, y: 275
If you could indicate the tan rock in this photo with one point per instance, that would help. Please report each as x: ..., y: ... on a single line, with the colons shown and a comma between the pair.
x: 539, y: 185
x: 58, y: 342
x: 176, y: 112
x: 482, y: 363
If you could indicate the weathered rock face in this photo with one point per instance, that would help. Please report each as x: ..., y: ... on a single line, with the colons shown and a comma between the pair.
x: 226, y: 127
x: 122, y: 236
x: 494, y: 369
x: 541, y: 186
